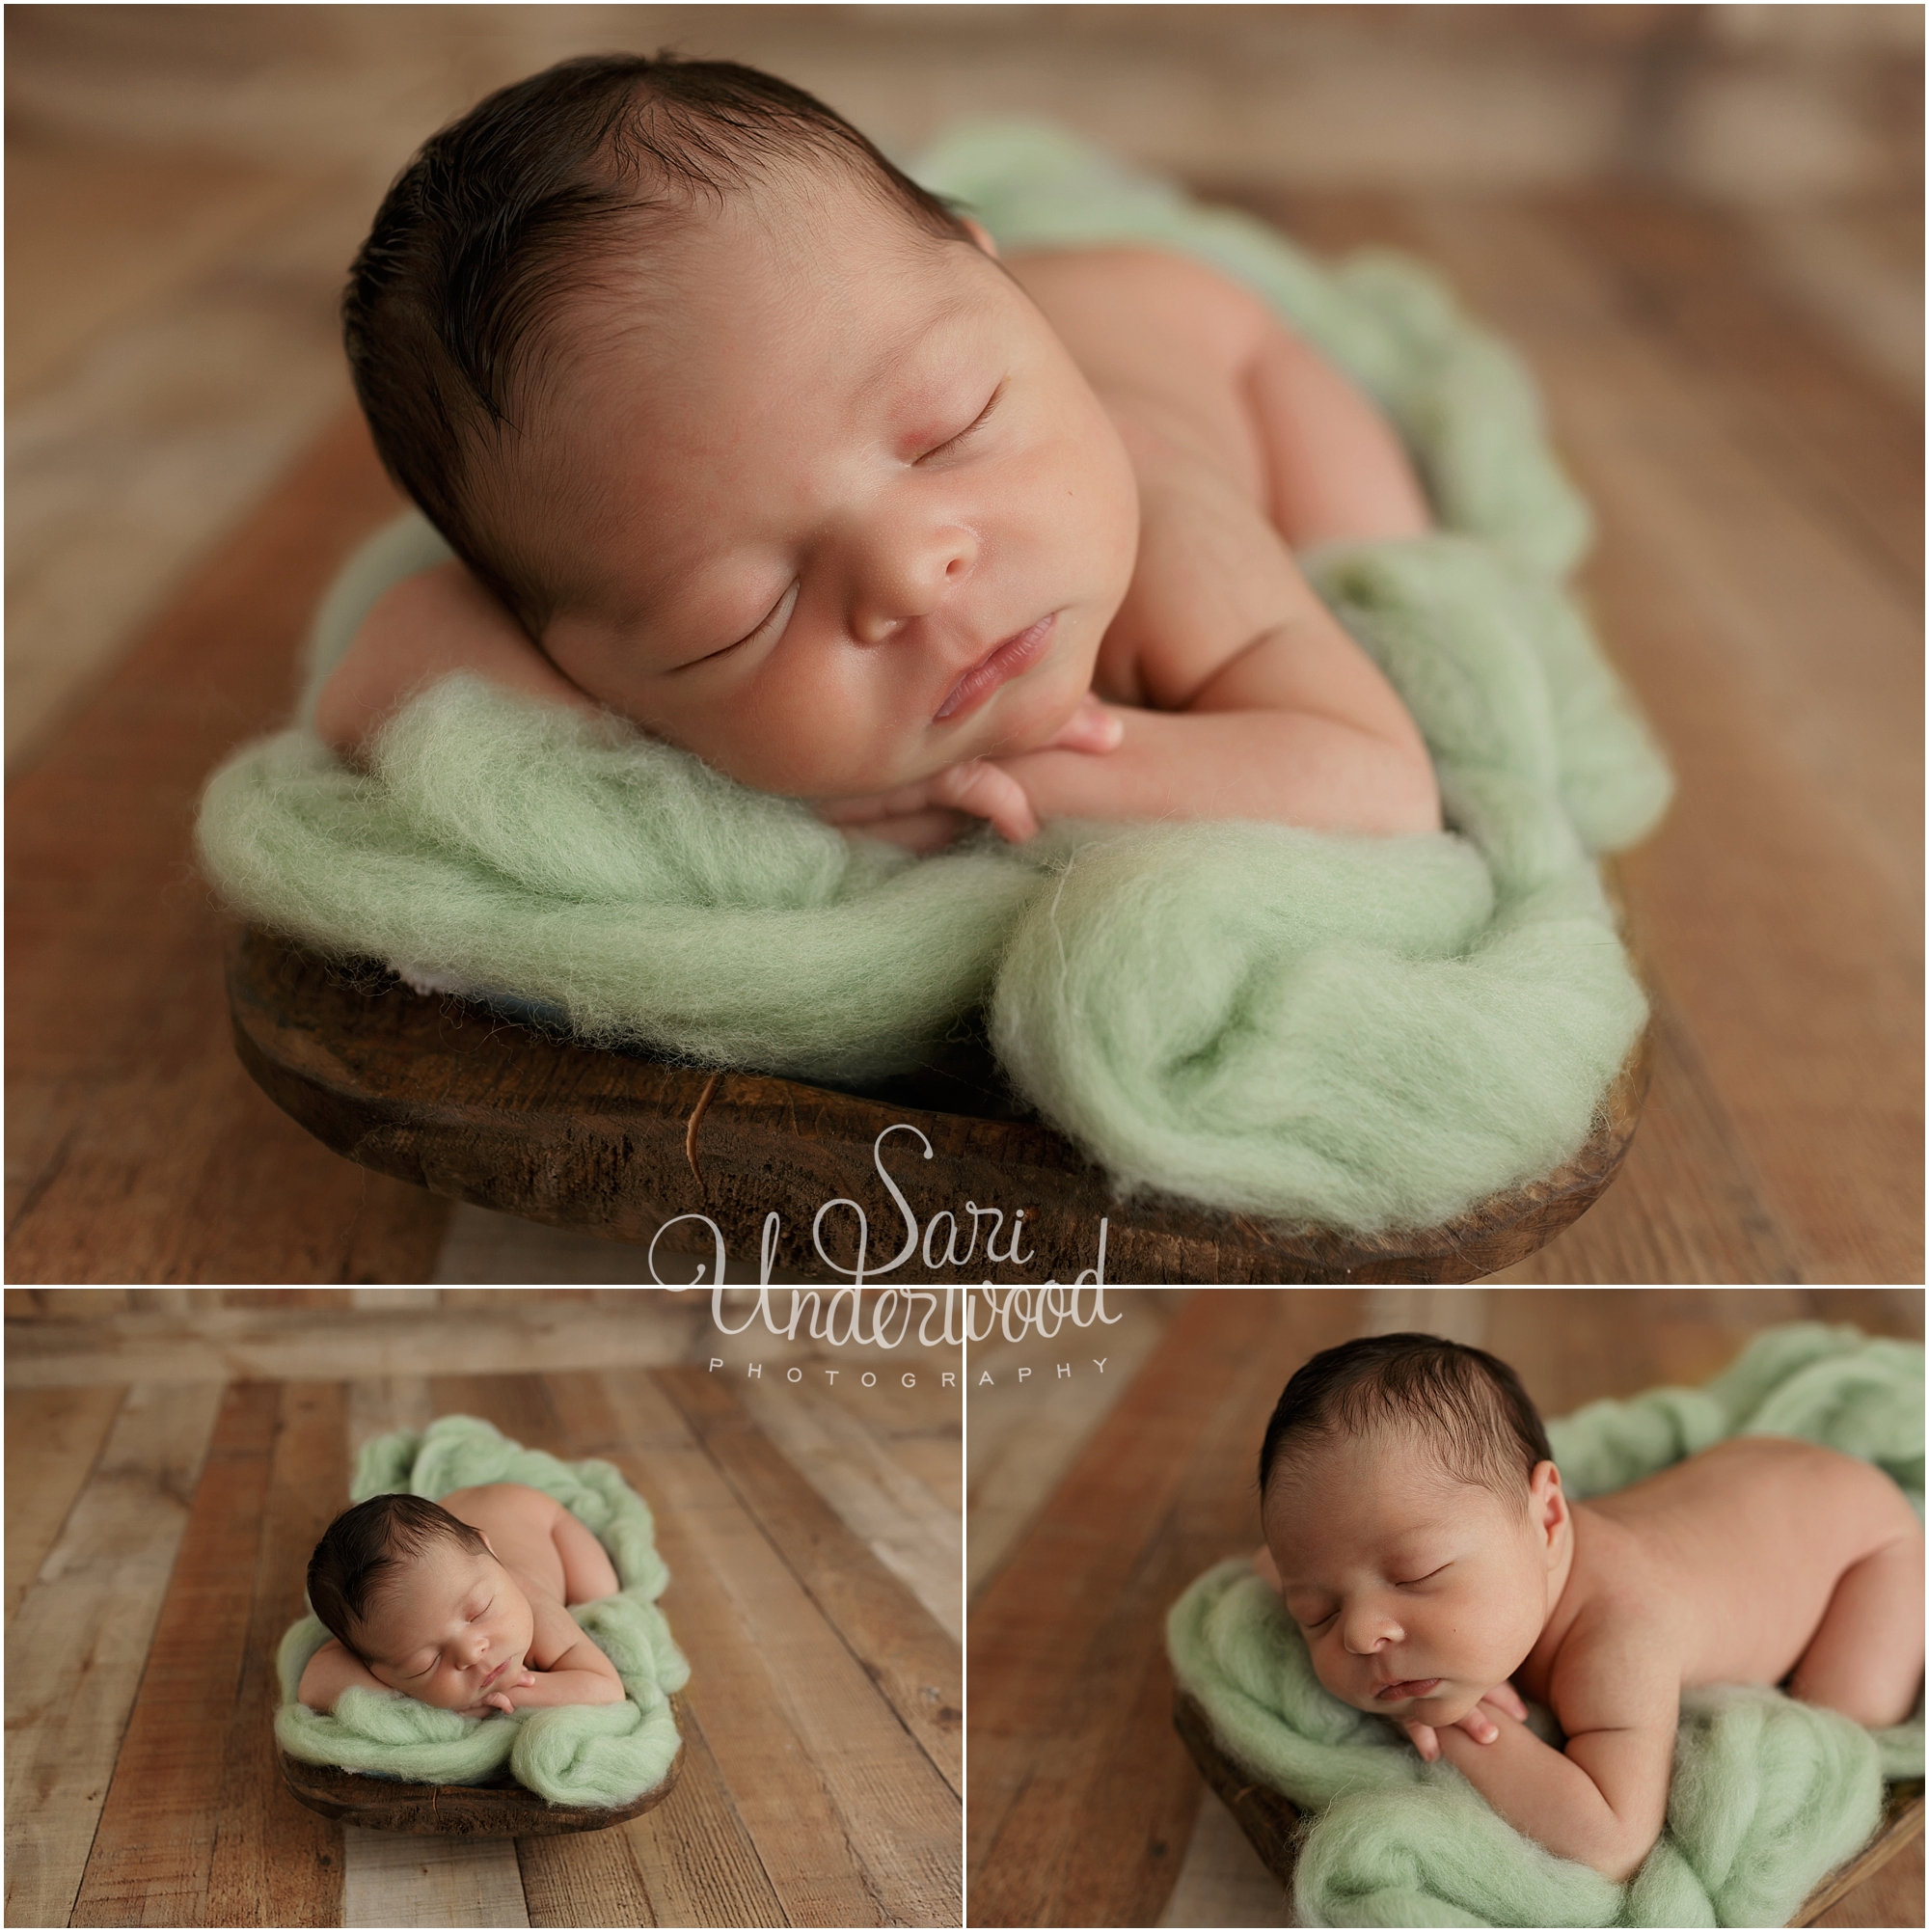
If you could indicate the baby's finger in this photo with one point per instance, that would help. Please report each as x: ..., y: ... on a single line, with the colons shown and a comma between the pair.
x: 1480, y: 1726
x: 1425, y: 1740
x: 1091, y: 727
x: 1508, y: 1699
x: 985, y: 791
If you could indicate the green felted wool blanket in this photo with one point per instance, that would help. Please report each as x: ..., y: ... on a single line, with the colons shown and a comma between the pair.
x: 1768, y: 1794
x: 1362, y: 1032
x: 596, y: 1754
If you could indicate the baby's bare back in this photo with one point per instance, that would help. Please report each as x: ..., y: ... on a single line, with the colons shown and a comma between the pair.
x: 536, y: 1540
x: 1728, y: 1560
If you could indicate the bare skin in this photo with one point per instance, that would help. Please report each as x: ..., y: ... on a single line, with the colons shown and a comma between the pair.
x: 1436, y: 1604
x: 483, y: 1633
x: 874, y: 520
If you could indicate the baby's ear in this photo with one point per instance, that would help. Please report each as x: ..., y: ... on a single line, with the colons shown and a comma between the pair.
x: 982, y: 235
x: 1546, y: 1500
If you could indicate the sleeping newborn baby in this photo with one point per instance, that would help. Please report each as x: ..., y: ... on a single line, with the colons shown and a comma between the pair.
x: 739, y: 435
x: 461, y: 1604
x: 1417, y: 1530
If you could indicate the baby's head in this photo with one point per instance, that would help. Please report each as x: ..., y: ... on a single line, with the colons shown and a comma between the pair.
x: 1412, y: 1506
x: 421, y: 1600
x: 754, y: 436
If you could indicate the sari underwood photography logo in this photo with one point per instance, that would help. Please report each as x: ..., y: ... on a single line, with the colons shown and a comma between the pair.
x: 936, y: 1240
x: 883, y: 1317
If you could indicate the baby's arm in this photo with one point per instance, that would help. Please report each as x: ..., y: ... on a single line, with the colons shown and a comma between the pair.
x: 438, y: 621
x: 330, y: 1671
x: 576, y: 1673
x: 587, y: 1572
x: 1601, y: 1802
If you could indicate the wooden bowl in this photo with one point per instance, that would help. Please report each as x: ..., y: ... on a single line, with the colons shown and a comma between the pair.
x: 503, y: 1810
x: 457, y: 1099
x: 1271, y: 1822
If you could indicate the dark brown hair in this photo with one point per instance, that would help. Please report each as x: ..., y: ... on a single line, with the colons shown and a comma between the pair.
x: 1470, y: 1404
x: 511, y: 211
x: 360, y: 1551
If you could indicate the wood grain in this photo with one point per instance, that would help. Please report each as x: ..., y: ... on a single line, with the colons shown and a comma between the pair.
x: 904, y: 1650
x: 1082, y: 1798
x: 458, y: 1099
x: 142, y: 1152
x: 77, y: 1647
x: 516, y: 1336
x: 53, y: 1436
x: 455, y: 1810
x: 272, y: 1863
x: 197, y: 1828
x: 846, y: 1454
x: 692, y: 1862
x: 851, y: 1821
x: 415, y: 1881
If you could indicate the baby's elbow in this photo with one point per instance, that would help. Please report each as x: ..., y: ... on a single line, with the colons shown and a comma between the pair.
x: 1410, y: 799
x: 1617, y: 1854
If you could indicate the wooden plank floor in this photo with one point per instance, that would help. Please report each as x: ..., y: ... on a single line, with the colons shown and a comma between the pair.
x: 1083, y: 1802
x: 1757, y: 578
x: 156, y: 1541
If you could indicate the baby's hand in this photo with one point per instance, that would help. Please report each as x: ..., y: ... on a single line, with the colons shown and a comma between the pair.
x: 932, y: 812
x: 502, y: 1697
x: 1479, y: 1722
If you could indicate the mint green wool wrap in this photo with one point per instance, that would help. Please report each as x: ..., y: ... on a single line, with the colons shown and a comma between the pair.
x: 1768, y: 1795
x: 594, y: 1755
x: 1362, y: 1032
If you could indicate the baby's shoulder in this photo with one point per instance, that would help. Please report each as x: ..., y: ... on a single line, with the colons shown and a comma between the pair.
x: 507, y: 1506
x: 1136, y: 296
x: 1619, y: 1657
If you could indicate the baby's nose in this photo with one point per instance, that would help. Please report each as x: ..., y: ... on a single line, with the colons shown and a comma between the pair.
x: 1368, y: 1631
x: 908, y: 577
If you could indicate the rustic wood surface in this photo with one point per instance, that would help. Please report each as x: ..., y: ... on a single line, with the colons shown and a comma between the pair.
x: 820, y: 1758
x: 1759, y: 497
x: 456, y: 1099
x: 456, y: 1810
x: 138, y: 1149
x: 1083, y: 1798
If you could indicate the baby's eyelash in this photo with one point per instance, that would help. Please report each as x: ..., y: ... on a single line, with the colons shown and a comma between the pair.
x: 977, y: 423
x: 1430, y: 1574
x: 776, y: 614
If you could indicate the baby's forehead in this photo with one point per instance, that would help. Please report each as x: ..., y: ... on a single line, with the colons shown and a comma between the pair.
x: 433, y: 1581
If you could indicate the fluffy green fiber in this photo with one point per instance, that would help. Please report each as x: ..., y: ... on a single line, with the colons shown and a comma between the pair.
x: 1362, y: 1032
x: 1768, y: 1794
x: 596, y: 1754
